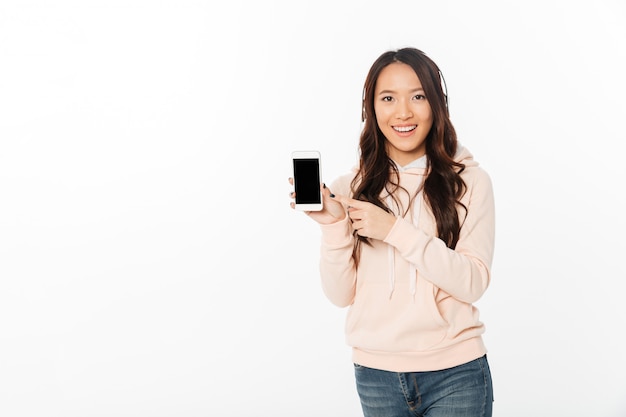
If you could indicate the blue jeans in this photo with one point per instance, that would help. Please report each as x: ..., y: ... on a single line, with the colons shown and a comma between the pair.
x: 462, y: 391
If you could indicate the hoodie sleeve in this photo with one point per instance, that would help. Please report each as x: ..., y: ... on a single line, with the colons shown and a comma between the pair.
x: 336, y: 264
x: 337, y: 268
x: 464, y: 272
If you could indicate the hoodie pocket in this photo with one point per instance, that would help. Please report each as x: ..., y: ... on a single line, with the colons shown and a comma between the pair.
x: 430, y: 293
x: 431, y: 327
x: 402, y: 323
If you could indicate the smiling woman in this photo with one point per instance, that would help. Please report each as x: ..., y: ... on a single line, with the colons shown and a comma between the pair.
x: 409, y: 252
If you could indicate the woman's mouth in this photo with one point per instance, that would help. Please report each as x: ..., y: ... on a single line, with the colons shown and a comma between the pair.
x: 404, y: 129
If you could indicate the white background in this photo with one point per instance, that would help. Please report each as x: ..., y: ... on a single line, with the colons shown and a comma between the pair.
x: 150, y: 264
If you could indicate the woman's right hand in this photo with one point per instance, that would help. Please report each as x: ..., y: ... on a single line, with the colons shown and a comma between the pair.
x: 332, y: 212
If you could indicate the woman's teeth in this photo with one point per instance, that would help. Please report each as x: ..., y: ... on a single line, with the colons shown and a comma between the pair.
x: 404, y: 128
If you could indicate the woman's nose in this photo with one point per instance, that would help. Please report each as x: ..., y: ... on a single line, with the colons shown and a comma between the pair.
x: 403, y: 111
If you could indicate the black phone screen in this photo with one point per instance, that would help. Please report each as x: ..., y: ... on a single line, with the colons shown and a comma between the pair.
x: 306, y: 174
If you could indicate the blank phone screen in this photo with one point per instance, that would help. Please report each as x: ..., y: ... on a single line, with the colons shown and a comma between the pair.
x: 306, y: 174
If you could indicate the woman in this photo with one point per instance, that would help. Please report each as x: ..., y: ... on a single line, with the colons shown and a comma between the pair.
x: 407, y: 244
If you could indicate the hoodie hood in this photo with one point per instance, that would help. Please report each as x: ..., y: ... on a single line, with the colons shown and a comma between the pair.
x: 464, y: 156
x: 418, y: 167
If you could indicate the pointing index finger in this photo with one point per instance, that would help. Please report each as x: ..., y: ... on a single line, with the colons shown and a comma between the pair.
x: 350, y: 202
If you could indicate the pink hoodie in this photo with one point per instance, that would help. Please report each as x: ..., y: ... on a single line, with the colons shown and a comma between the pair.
x: 410, y: 300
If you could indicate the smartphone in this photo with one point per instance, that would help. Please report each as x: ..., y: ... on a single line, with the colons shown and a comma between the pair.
x: 307, y: 178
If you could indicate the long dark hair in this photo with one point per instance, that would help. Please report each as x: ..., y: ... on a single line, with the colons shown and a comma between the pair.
x: 443, y: 186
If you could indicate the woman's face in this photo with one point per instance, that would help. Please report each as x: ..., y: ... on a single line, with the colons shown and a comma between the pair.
x: 403, y: 112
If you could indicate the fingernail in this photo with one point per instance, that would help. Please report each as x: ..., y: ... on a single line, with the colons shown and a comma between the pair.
x: 332, y: 195
x: 324, y: 185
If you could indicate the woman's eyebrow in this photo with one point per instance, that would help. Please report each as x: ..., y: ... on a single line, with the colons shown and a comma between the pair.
x: 415, y: 90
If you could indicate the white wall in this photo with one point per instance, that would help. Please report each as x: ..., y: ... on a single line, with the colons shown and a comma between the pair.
x: 150, y: 264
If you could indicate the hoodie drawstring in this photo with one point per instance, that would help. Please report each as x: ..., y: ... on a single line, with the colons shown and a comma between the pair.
x: 417, y: 203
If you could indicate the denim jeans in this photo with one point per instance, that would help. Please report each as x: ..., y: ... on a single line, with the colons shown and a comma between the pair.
x: 462, y: 391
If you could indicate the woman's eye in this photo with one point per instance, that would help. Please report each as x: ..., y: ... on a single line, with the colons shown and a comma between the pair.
x: 387, y: 98
x: 419, y: 97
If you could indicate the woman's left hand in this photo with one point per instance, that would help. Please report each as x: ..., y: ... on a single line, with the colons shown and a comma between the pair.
x: 368, y: 219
